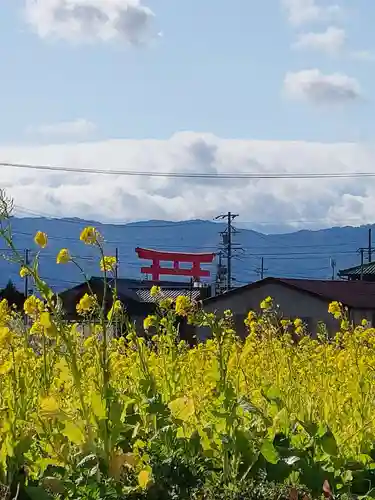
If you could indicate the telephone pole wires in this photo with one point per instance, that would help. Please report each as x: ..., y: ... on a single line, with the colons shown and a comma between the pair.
x: 227, y: 244
x: 367, y: 249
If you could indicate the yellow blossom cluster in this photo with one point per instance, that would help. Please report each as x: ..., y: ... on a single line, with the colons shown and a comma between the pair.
x: 87, y: 304
x: 90, y: 236
x: 108, y: 264
x: 67, y: 390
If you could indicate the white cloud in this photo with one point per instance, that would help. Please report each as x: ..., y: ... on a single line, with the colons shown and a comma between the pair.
x: 121, y: 198
x: 310, y: 11
x: 314, y: 86
x: 77, y: 129
x: 89, y: 20
x: 330, y: 41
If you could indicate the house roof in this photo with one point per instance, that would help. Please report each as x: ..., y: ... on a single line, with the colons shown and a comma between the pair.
x: 354, y: 294
x: 145, y: 296
x: 140, y: 290
x: 368, y: 269
x: 170, y: 289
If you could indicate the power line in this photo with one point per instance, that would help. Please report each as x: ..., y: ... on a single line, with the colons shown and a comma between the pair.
x: 192, y: 175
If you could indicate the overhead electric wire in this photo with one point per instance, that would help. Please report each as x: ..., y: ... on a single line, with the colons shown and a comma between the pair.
x: 193, y: 175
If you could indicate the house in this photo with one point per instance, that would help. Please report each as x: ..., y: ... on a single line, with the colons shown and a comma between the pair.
x: 365, y: 272
x: 136, y: 297
x: 302, y: 298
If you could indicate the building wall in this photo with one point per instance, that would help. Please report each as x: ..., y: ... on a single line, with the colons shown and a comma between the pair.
x: 292, y: 304
x: 358, y: 315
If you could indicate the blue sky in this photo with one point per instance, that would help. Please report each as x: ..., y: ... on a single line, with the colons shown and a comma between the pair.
x: 270, y: 70
x: 219, y: 67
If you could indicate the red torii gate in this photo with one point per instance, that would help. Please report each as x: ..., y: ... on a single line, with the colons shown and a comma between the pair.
x: 196, y: 259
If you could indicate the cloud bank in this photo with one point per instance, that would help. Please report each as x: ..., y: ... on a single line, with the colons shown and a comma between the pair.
x: 126, y: 21
x: 310, y: 11
x: 280, y: 203
x: 331, y: 41
x: 318, y: 88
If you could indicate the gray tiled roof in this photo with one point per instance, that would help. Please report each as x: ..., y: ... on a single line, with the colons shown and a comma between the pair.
x: 356, y: 271
x: 145, y: 296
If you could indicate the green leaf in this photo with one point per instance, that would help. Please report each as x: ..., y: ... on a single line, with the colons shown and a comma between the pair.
x: 116, y: 412
x: 182, y: 408
x: 37, y: 493
x: 87, y: 461
x: 269, y: 452
x: 273, y: 393
x: 282, y: 420
x: 329, y: 445
x: 74, y: 433
x: 98, y: 406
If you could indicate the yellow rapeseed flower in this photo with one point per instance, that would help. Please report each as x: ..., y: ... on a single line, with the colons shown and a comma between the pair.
x: 144, y: 479
x: 5, y: 336
x: 108, y: 264
x: 63, y: 257
x: 86, y: 304
x: 155, y: 291
x: 49, y: 405
x: 48, y: 325
x: 266, y: 303
x: 24, y: 271
x: 115, y: 309
x: 298, y: 323
x: 41, y: 239
x: 149, y: 322
x: 36, y: 328
x: 90, y: 236
x: 345, y: 325
x: 183, y: 305
x: 335, y: 308
x: 33, y: 306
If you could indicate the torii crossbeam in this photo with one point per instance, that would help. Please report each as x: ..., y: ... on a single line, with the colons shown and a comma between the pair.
x: 196, y: 259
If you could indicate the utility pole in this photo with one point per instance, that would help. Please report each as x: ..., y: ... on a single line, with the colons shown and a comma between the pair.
x: 367, y: 249
x: 26, y: 283
x: 333, y: 266
x: 370, y: 245
x: 261, y: 270
x: 116, y: 269
x: 228, y: 245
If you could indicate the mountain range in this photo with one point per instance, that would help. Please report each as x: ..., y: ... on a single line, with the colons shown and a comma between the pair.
x: 301, y: 254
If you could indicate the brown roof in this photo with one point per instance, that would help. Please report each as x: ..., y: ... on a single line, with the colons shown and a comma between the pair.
x: 355, y: 294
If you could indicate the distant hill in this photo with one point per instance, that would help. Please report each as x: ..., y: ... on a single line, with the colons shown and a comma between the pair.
x: 301, y: 254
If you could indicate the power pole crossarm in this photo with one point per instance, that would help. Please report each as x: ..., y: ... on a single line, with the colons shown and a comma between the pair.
x: 229, y: 217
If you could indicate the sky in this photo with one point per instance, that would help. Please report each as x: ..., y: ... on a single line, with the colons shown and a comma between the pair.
x: 204, y: 86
